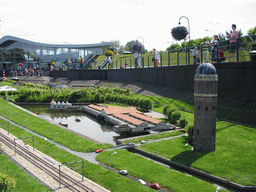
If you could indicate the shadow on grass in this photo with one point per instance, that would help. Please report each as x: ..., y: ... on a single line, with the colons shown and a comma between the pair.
x: 188, y: 157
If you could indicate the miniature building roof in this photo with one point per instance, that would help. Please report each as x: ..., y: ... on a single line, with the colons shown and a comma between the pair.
x: 115, y: 110
x: 146, y: 118
x: 128, y: 119
x: 206, y: 69
x: 95, y: 107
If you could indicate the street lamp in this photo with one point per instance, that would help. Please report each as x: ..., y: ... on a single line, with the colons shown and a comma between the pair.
x: 188, y: 25
x: 110, y: 158
x: 54, y: 136
x: 9, y: 123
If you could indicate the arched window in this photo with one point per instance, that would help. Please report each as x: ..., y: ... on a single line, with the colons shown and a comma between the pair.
x: 197, y: 131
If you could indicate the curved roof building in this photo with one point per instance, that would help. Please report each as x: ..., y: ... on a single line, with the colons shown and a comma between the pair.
x: 47, y: 52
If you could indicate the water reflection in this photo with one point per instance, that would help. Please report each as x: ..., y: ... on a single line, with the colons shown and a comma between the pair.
x: 89, y: 126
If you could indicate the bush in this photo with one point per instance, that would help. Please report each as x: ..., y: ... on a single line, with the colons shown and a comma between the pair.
x: 3, y: 93
x: 190, y: 131
x: 170, y: 112
x: 183, y: 122
x: 6, y: 183
x: 175, y: 117
x: 147, y: 104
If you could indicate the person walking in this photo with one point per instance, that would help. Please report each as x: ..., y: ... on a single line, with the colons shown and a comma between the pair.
x: 194, y: 52
x: 233, y: 42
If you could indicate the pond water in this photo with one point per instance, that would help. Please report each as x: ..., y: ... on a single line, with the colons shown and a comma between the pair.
x: 88, y: 126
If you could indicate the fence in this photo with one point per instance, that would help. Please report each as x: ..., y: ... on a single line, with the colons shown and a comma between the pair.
x: 184, y: 56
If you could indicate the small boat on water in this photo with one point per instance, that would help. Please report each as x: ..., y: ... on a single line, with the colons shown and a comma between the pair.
x: 63, y: 124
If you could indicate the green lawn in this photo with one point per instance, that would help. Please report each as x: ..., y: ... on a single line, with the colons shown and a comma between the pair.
x: 155, y: 137
x: 120, y: 60
x: 46, y: 129
x: 24, y: 182
x: 233, y: 160
x: 150, y: 172
x: 96, y: 173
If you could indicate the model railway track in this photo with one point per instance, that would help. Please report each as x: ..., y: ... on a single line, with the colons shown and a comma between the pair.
x: 51, y: 170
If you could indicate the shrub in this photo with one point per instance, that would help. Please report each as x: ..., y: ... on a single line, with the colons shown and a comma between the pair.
x: 147, y: 104
x: 183, y: 122
x: 170, y: 112
x: 190, y: 131
x: 6, y: 183
x: 175, y: 117
x: 3, y: 93
x: 109, y: 53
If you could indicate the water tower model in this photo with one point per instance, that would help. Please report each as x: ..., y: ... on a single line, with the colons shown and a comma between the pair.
x: 205, y: 99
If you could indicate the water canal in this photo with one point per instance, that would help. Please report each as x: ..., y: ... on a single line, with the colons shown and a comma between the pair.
x: 88, y: 126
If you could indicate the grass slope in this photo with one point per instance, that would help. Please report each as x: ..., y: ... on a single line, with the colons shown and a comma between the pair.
x: 233, y: 160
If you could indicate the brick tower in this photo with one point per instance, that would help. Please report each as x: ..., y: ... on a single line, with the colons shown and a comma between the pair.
x: 205, y: 99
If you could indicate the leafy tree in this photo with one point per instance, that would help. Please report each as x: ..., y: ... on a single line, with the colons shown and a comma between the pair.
x: 174, y: 47
x: 128, y: 45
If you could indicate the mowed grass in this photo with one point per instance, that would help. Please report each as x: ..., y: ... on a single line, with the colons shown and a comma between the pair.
x: 151, y: 172
x: 105, y: 178
x: 120, y: 60
x: 46, y: 129
x: 155, y: 136
x: 233, y: 160
x: 24, y: 182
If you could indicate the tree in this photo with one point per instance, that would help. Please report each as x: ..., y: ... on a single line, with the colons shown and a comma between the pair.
x: 128, y: 45
x: 174, y: 47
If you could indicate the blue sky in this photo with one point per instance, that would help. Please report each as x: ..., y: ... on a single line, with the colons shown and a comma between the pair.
x: 93, y: 21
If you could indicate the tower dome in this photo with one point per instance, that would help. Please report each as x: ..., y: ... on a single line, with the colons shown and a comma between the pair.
x: 206, y: 69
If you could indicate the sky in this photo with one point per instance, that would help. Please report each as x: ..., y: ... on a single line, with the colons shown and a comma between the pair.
x: 148, y: 21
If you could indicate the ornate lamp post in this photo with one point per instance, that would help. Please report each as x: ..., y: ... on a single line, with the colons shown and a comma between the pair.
x: 188, y: 25
x: 188, y: 38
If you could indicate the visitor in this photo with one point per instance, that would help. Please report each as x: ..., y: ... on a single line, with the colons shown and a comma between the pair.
x: 214, y: 48
x: 136, y: 56
x: 205, y: 51
x: 194, y: 52
x: 198, y: 57
x: 233, y: 42
x: 155, y: 58
x: 81, y: 62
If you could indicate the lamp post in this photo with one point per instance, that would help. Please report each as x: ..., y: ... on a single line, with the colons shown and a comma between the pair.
x: 110, y: 158
x: 9, y: 123
x: 188, y: 25
x: 54, y: 136
x: 187, y: 57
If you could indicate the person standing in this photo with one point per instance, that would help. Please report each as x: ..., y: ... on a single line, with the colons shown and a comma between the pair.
x: 233, y: 42
x: 136, y: 58
x: 81, y: 62
x: 194, y: 52
x: 156, y: 58
x: 205, y: 51
x: 214, y: 48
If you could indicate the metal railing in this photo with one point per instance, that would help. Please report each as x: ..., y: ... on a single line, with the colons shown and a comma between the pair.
x: 184, y: 56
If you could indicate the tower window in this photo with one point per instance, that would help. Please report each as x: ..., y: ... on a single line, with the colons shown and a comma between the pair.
x: 213, y: 108
x: 198, y: 107
x: 197, y: 131
x: 206, y: 108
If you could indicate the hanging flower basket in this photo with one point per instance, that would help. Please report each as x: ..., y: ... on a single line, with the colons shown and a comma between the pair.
x: 20, y: 64
x: 53, y: 63
x: 137, y: 47
x: 109, y: 53
x: 179, y: 33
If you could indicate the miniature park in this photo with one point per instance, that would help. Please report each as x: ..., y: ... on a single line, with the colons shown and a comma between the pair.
x: 125, y: 146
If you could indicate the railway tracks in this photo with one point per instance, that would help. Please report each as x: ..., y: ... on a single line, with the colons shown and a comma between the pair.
x: 64, y: 179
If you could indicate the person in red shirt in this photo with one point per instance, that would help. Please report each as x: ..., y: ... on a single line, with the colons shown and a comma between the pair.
x: 233, y: 42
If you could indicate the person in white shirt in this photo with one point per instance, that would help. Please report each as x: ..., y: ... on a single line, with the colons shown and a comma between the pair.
x: 214, y: 45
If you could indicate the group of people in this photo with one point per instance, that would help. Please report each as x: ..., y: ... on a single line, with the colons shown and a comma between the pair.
x: 137, y: 59
x: 217, y: 54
